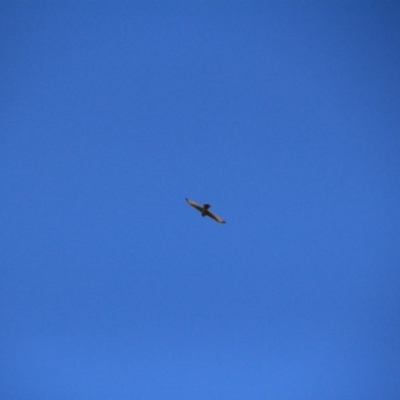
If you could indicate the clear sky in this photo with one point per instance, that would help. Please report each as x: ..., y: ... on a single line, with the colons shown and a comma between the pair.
x: 284, y: 116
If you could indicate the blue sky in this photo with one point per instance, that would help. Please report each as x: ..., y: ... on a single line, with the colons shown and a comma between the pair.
x: 284, y: 116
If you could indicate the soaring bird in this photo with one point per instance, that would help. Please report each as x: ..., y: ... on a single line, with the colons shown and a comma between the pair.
x: 205, y: 211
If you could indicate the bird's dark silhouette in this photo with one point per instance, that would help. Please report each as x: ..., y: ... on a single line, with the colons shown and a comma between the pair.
x: 205, y: 211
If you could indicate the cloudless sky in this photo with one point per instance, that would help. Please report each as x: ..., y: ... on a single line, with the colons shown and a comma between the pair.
x: 284, y: 116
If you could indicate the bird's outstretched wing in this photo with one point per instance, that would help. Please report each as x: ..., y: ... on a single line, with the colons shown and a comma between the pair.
x: 216, y: 217
x: 195, y: 205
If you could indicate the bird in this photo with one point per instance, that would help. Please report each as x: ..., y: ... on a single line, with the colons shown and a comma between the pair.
x: 205, y: 211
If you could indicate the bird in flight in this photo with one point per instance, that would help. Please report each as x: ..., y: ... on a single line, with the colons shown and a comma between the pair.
x: 205, y: 211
